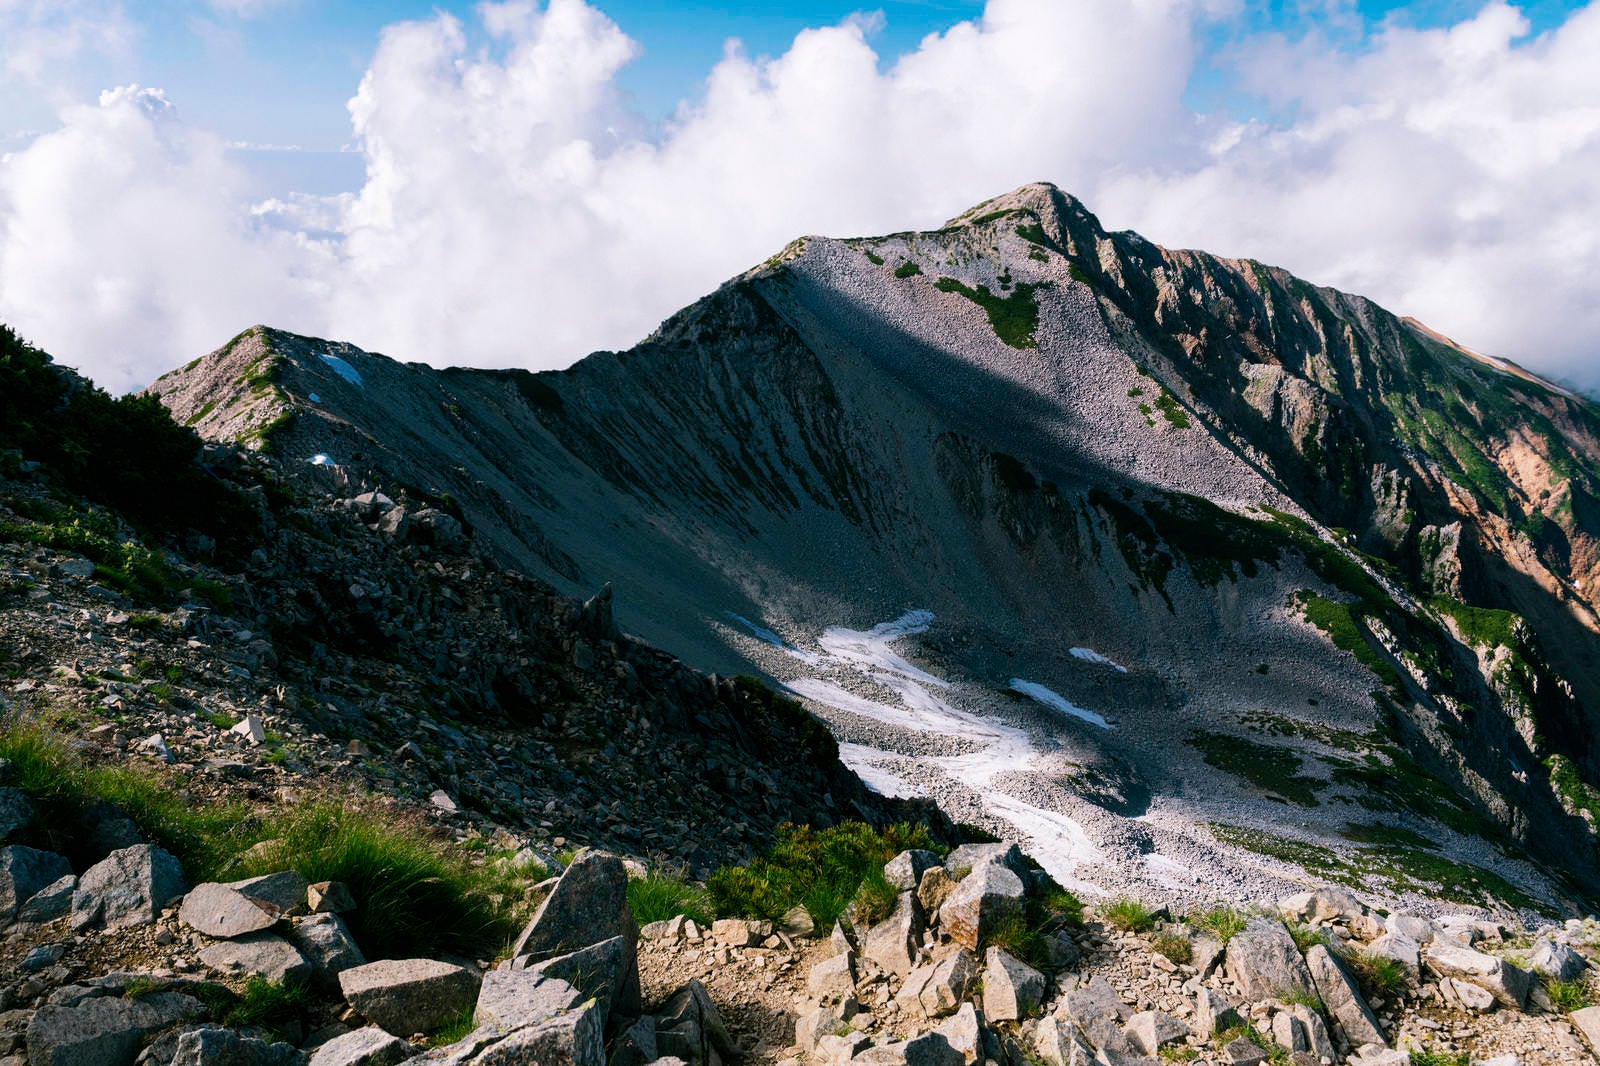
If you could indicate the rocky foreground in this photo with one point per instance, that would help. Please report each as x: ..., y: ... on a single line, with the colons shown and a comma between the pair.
x: 127, y: 963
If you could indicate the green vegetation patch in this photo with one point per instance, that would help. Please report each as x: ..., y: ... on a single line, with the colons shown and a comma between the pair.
x: 1171, y: 410
x: 1577, y: 793
x: 1034, y: 233
x: 1482, y: 627
x: 1223, y: 922
x: 818, y: 869
x: 1268, y: 766
x: 873, y: 257
x: 1129, y: 915
x: 404, y: 877
x: 1338, y: 621
x: 1014, y: 317
x: 908, y: 269
x: 658, y: 896
x: 1313, y: 858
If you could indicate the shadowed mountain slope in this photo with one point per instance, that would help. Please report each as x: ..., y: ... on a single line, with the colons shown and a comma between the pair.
x: 1130, y: 550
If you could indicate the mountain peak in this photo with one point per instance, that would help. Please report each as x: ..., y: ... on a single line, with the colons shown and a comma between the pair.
x: 1060, y: 213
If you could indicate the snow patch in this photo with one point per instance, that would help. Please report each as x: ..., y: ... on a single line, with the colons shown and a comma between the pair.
x: 1041, y: 695
x: 314, y: 398
x: 1089, y: 655
x: 764, y: 634
x: 343, y: 369
x: 870, y: 650
x: 864, y: 763
x: 321, y: 459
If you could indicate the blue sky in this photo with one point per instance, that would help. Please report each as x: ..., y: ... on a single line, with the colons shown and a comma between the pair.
x: 523, y: 181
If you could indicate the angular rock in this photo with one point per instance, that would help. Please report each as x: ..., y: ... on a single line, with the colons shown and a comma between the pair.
x: 833, y: 977
x: 971, y: 856
x: 50, y: 902
x: 25, y: 872
x: 1059, y: 1044
x: 1587, y: 1022
x: 739, y: 932
x: 1241, y: 1052
x: 892, y: 943
x: 1263, y: 962
x: 514, y: 998
x: 16, y: 811
x: 1059, y: 950
x: 607, y: 971
x: 329, y: 897
x: 370, y: 1046
x: 813, y: 1026
x: 1556, y: 961
x: 1402, y: 949
x: 964, y: 1031
x: 1470, y: 996
x: 905, y: 870
x: 931, y: 1049
x: 588, y: 904
x: 834, y: 1049
x: 1343, y: 1000
x: 798, y: 922
x: 224, y: 1047
x: 1509, y: 984
x: 1316, y: 1032
x: 690, y: 1010
x: 266, y: 955
x: 636, y: 1045
x: 987, y: 896
x: 103, y: 1030
x: 127, y: 888
x: 934, y: 888
x: 1011, y: 988
x: 283, y: 892
x: 572, y: 1038
x: 949, y: 984
x: 325, y: 942
x: 410, y: 995
x: 220, y: 911
x: 1212, y: 1013
x: 1093, y: 1003
x: 1289, y: 1033
x: 1151, y: 1030
x: 1322, y: 906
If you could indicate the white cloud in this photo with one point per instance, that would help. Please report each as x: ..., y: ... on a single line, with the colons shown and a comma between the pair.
x: 515, y: 212
x: 40, y: 38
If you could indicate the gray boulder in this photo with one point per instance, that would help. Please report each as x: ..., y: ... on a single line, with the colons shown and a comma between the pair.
x: 1263, y: 962
x: 1060, y: 1044
x: 1011, y: 988
x: 587, y: 906
x: 1509, y: 984
x: 25, y: 872
x: 102, y: 1029
x: 223, y: 912
x: 1587, y: 1022
x: 986, y: 897
x: 127, y: 888
x: 905, y: 870
x: 50, y: 902
x: 966, y: 1032
x: 514, y: 998
x: 16, y: 811
x: 1151, y: 1030
x: 607, y: 971
x: 892, y: 943
x: 971, y: 856
x: 833, y: 977
x: 1094, y: 1003
x: 325, y: 942
x: 1343, y: 1000
x: 283, y: 892
x: 938, y: 988
x: 370, y: 1046
x: 1556, y: 961
x: 690, y: 1027
x: 409, y: 995
x: 224, y: 1047
x: 266, y: 955
x: 572, y: 1038
x: 1212, y: 1013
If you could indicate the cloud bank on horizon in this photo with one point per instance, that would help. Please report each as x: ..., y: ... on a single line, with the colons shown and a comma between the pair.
x: 515, y: 212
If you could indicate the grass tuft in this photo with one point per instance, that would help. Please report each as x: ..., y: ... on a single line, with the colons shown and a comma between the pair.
x: 1567, y: 996
x: 659, y: 896
x: 269, y: 1006
x: 1378, y: 976
x: 1130, y: 916
x: 1174, y: 946
x: 1223, y: 922
x: 818, y: 869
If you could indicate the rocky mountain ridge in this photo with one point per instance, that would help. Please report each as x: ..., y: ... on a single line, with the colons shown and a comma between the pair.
x: 934, y: 483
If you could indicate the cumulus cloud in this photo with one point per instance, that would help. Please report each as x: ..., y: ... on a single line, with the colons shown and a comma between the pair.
x: 515, y: 212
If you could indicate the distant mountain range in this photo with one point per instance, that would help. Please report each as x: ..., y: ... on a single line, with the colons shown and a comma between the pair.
x: 1196, y: 574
